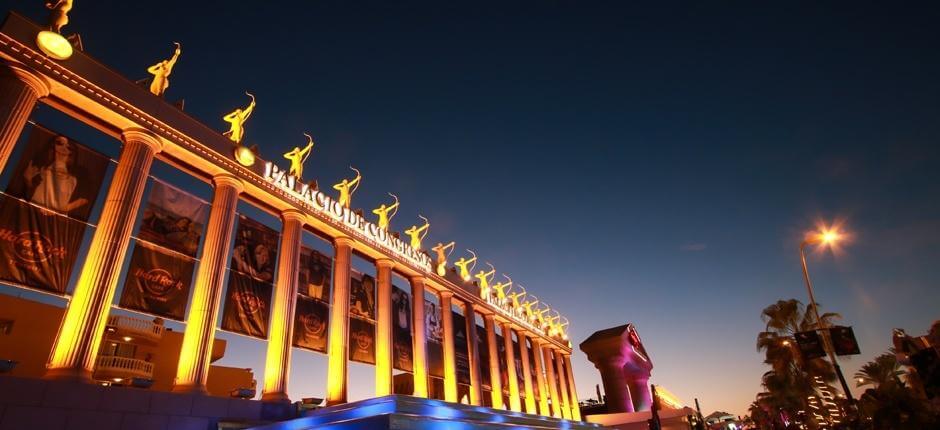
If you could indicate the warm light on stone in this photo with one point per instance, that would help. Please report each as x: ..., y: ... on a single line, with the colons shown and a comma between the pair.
x: 54, y: 45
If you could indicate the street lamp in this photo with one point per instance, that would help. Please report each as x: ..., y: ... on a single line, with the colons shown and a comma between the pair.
x: 826, y: 237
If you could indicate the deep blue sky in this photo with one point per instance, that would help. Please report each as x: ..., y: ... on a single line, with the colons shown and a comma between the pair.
x: 627, y: 163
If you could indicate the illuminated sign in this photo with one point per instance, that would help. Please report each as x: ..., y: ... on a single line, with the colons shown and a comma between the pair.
x: 348, y: 220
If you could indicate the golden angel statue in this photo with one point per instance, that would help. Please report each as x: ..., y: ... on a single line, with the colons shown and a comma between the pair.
x: 515, y: 299
x: 462, y: 264
x: 484, y: 279
x: 237, y: 119
x: 59, y: 16
x: 417, y: 234
x: 441, y: 250
x: 347, y: 187
x: 527, y: 306
x: 298, y: 156
x: 383, y: 212
x: 161, y: 73
x: 501, y: 288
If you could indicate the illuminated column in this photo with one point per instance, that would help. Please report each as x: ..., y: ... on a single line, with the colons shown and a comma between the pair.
x: 563, y: 384
x: 552, y: 386
x: 76, y: 345
x: 530, y: 407
x: 615, y: 383
x: 419, y: 338
x: 20, y: 88
x: 450, y: 365
x: 196, y: 352
x: 496, y: 382
x: 383, y: 328
x: 339, y: 319
x: 476, y: 386
x: 540, y: 378
x: 514, y: 403
x: 640, y: 392
x: 280, y: 335
x: 575, y: 406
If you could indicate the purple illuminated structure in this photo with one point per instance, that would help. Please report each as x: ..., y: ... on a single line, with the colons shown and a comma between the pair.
x: 625, y: 367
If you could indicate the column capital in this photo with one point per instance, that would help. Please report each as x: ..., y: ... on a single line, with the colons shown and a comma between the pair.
x: 417, y: 279
x: 36, y: 82
x: 144, y: 136
x: 446, y: 293
x: 385, y: 263
x: 230, y: 180
x: 294, y: 215
x: 344, y: 241
x: 489, y: 317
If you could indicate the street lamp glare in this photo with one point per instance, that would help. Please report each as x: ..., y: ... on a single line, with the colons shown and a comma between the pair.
x: 829, y: 236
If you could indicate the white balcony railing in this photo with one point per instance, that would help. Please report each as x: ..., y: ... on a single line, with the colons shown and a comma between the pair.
x: 136, y: 326
x: 110, y: 366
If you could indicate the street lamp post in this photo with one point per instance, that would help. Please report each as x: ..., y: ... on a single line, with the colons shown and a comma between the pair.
x: 825, y: 238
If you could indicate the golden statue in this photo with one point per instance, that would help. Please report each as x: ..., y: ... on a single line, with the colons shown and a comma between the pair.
x: 297, y: 157
x: 383, y: 212
x: 563, y: 329
x: 417, y: 234
x: 161, y: 73
x: 347, y: 187
x: 501, y: 287
x: 514, y: 298
x: 529, y: 313
x: 462, y: 263
x: 540, y: 315
x: 484, y: 281
x: 237, y: 119
x: 59, y: 16
x: 442, y: 255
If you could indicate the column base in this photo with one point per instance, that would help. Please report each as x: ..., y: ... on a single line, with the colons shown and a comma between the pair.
x: 69, y: 374
x: 275, y: 398
x: 190, y: 389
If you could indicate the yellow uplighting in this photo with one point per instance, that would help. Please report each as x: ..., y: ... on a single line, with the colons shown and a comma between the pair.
x: 128, y: 338
x: 54, y: 45
x: 244, y: 156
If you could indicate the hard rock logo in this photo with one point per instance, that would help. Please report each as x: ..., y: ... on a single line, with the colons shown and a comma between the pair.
x: 32, y: 247
x: 314, y: 325
x: 158, y: 282
x: 249, y: 302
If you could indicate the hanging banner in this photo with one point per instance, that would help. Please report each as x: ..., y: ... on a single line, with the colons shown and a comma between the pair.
x: 314, y: 277
x: 483, y: 349
x: 401, y: 330
x: 58, y: 174
x: 362, y: 296
x: 247, y: 306
x: 434, y: 332
x: 361, y: 341
x: 503, y: 369
x: 157, y: 283
x: 311, y: 320
x: 255, y: 252
x: 461, y: 353
x: 535, y: 385
x: 517, y: 357
x: 173, y: 219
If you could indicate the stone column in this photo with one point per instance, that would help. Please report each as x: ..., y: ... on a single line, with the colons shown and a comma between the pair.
x: 280, y: 335
x: 563, y: 385
x: 20, y: 88
x: 419, y: 338
x: 192, y: 370
x: 575, y: 405
x: 640, y: 391
x: 496, y: 382
x: 476, y: 386
x: 615, y: 384
x: 450, y: 356
x: 530, y: 407
x: 383, y: 328
x: 552, y: 385
x: 540, y: 378
x: 514, y: 402
x: 339, y: 321
x: 76, y: 345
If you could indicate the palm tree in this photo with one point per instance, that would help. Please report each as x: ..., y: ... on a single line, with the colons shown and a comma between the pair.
x: 883, y: 370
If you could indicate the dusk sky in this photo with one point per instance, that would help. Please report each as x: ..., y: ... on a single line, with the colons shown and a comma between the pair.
x: 655, y: 165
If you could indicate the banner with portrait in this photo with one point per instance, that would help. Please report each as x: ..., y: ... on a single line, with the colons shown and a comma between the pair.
x: 311, y: 321
x: 255, y: 252
x: 173, y: 219
x: 157, y: 283
x: 503, y: 368
x: 315, y: 274
x: 361, y: 341
x: 461, y: 352
x: 483, y: 349
x: 401, y: 330
x: 517, y: 357
x: 535, y: 386
x: 362, y: 296
x: 434, y: 332
x: 247, y: 305
x: 53, y: 187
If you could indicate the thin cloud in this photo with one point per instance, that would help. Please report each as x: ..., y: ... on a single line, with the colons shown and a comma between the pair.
x: 693, y: 247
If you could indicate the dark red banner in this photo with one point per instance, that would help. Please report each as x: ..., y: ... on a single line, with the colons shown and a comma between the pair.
x: 247, y: 306
x: 401, y: 330
x: 362, y: 296
x: 157, y: 283
x: 311, y: 321
x: 483, y: 348
x: 314, y: 277
x: 255, y: 252
x: 173, y: 219
x: 361, y: 341
x: 461, y: 352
